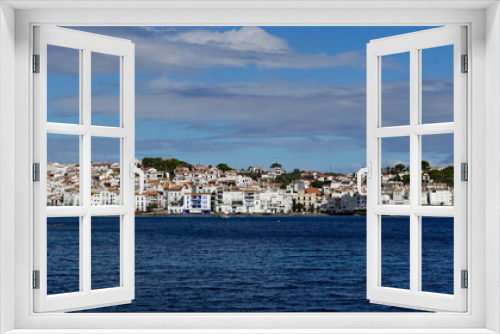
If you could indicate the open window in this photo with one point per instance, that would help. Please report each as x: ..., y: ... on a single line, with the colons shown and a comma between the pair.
x: 96, y: 129
x: 17, y: 234
x: 416, y: 126
x: 77, y: 140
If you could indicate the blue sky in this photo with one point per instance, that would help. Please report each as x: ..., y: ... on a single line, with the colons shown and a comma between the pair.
x: 252, y: 95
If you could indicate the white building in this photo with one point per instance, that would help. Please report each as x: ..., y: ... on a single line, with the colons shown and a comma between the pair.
x: 173, y: 198
x: 140, y: 203
x: 197, y: 203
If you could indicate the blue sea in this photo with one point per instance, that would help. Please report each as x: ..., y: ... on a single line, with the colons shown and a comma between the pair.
x: 250, y: 264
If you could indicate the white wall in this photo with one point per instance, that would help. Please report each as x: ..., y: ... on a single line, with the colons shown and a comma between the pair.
x: 7, y: 156
x: 254, y: 17
x: 492, y: 163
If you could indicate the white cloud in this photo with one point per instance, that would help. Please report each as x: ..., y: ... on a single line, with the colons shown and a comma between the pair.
x: 168, y: 49
x: 275, y: 109
x: 244, y: 39
x: 258, y: 109
x: 249, y: 110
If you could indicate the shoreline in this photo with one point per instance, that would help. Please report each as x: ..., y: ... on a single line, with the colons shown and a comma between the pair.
x: 229, y: 215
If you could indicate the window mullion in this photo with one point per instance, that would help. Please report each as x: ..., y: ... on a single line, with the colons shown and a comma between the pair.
x: 85, y: 170
x: 86, y: 254
x: 414, y: 169
x: 85, y: 148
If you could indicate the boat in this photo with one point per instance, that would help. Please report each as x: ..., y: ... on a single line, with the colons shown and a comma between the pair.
x: 224, y: 215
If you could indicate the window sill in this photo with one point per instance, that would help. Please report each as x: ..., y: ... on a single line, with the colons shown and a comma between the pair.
x: 248, y: 331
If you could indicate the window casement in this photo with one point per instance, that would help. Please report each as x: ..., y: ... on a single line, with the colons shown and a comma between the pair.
x: 482, y: 239
x: 82, y: 208
x: 415, y: 210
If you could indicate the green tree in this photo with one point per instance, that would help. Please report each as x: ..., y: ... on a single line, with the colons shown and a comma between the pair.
x: 317, y: 184
x: 445, y: 176
x: 164, y: 165
x: 285, y: 184
x: 298, y: 207
x: 426, y: 165
x: 275, y: 164
x: 224, y: 167
x: 399, y: 168
x: 286, y: 179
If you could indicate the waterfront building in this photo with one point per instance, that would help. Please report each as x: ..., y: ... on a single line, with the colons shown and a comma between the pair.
x: 153, y: 199
x: 140, y: 203
x: 197, y: 203
x: 275, y: 201
x: 307, y: 199
x: 234, y: 191
x: 174, y: 198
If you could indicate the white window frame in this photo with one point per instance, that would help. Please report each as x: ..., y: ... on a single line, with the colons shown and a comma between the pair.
x: 482, y: 18
x: 86, y: 44
x: 414, y: 44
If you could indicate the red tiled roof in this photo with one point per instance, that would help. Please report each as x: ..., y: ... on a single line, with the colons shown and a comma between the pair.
x: 312, y: 191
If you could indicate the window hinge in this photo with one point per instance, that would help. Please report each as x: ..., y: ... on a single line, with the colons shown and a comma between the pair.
x: 464, y: 171
x: 36, y: 172
x: 36, y: 279
x: 465, y: 279
x: 465, y: 64
x: 36, y: 63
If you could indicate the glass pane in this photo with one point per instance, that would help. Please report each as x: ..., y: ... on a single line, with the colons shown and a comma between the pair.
x: 63, y: 85
x: 105, y: 174
x: 396, y: 252
x: 63, y: 255
x: 105, y: 252
x: 105, y: 90
x: 395, y: 81
x: 437, y: 84
x: 437, y: 169
x: 63, y: 170
x: 437, y: 254
x: 395, y: 181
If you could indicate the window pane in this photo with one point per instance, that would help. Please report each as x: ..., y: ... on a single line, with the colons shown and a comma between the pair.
x: 63, y: 170
x: 437, y: 170
x: 105, y: 252
x: 63, y: 85
x: 396, y: 252
x: 63, y: 255
x: 105, y: 90
x: 105, y: 188
x: 395, y: 182
x: 437, y: 84
x: 437, y: 254
x: 395, y: 83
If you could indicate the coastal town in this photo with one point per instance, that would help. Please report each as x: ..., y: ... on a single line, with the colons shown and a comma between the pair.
x: 176, y: 187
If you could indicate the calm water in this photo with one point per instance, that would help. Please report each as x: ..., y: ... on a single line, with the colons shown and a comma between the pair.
x: 250, y: 264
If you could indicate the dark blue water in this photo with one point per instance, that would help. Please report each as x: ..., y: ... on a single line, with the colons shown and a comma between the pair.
x: 251, y: 264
